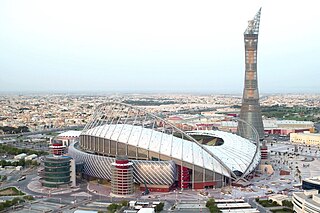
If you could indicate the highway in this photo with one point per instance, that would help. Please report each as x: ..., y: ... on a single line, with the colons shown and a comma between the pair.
x: 41, y: 132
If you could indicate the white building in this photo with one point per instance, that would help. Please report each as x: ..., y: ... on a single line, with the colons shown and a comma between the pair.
x: 20, y: 156
x: 31, y: 157
x: 307, y: 201
x: 279, y: 198
x: 146, y: 210
x: 68, y: 137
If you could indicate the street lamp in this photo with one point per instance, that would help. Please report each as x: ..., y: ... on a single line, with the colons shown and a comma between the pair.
x: 176, y: 197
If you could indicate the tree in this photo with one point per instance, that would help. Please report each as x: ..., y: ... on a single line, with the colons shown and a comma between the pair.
x: 287, y: 203
x: 124, y: 203
x: 35, y: 163
x: 211, y: 205
x: 210, y: 202
x: 28, y: 197
x: 159, y: 207
x: 113, y: 207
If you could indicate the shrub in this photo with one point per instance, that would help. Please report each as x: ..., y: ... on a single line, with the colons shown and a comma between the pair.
x: 210, y: 202
x: 124, y: 203
x: 268, y: 203
x: 211, y: 205
x: 28, y: 197
x: 9, y: 203
x: 159, y: 207
x: 113, y: 207
x: 287, y: 203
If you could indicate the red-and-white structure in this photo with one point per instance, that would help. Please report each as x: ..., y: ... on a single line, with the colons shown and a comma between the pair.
x: 122, y: 177
x: 264, y: 151
x: 57, y: 147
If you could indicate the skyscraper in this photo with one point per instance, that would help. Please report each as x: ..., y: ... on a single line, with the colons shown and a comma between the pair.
x: 250, y: 109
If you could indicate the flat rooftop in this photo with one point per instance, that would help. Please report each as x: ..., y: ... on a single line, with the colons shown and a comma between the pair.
x: 315, y: 180
x: 252, y: 210
x: 233, y: 205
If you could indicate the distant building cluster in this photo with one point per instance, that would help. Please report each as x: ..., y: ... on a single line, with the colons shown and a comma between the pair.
x: 291, y: 100
x: 44, y: 112
x: 212, y: 120
x: 55, y: 111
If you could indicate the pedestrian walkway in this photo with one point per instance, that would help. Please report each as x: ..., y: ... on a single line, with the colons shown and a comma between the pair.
x: 99, y: 189
x: 81, y: 194
x: 36, y: 186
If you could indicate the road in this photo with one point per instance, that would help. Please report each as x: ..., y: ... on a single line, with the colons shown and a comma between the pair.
x: 253, y: 203
x: 22, y: 185
x: 41, y: 132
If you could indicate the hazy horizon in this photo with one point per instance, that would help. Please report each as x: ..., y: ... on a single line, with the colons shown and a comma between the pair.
x: 156, y: 47
x: 104, y: 93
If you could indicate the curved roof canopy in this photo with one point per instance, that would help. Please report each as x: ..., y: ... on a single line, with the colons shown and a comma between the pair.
x: 134, y: 126
x: 159, y: 142
x: 238, y: 153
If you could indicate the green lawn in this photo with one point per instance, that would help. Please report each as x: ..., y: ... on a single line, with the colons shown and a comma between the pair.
x: 268, y: 203
x: 10, y: 191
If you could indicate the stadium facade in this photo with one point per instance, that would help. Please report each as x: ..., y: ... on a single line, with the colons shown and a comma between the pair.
x: 160, y: 154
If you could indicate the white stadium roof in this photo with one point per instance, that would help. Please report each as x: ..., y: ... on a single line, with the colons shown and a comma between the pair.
x: 236, y: 153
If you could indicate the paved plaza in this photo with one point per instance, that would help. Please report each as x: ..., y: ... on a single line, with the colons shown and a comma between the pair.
x: 36, y: 186
x: 301, y: 161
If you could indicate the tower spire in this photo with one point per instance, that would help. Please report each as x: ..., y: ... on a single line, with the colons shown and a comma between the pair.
x: 253, y: 25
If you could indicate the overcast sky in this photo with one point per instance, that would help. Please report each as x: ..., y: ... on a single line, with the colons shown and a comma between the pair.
x: 167, y: 45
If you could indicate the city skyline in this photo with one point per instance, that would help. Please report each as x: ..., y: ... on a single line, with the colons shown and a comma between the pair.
x: 180, y: 46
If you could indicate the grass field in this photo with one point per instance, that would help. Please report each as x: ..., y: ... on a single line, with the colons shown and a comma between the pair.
x: 10, y: 191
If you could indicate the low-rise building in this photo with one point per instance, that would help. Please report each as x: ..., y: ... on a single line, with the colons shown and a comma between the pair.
x: 68, y: 137
x: 146, y: 210
x: 311, y: 183
x: 235, y: 206
x: 285, y: 127
x: 305, y: 138
x: 31, y: 157
x: 20, y: 156
x: 273, y: 127
x: 18, y: 168
x: 279, y: 198
x: 306, y: 201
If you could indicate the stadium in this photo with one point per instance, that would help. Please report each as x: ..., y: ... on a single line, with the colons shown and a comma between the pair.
x: 161, y: 155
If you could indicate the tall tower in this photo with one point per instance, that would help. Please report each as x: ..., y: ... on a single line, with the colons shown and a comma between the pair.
x: 250, y: 109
